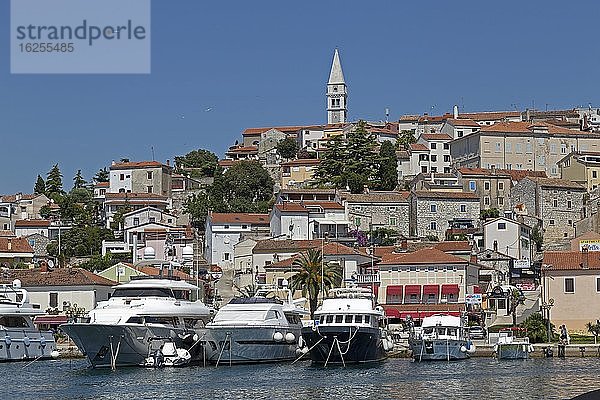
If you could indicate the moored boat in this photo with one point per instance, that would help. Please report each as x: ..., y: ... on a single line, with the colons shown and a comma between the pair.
x: 259, y: 329
x: 440, y: 338
x: 123, y: 330
x: 347, y: 329
x: 20, y: 340
x: 512, y: 345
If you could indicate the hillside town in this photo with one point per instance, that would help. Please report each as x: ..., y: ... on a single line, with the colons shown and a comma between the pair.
x: 450, y: 213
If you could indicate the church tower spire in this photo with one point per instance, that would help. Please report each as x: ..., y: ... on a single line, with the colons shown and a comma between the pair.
x: 337, y: 94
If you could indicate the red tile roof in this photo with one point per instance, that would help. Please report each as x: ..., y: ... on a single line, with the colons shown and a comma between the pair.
x: 135, y: 196
x: 450, y: 246
x: 483, y: 172
x: 7, y: 234
x: 288, y: 129
x: 418, y: 147
x: 227, y: 163
x: 14, y: 245
x: 57, y: 277
x: 556, y: 183
x: 153, y: 271
x: 102, y: 184
x: 270, y: 245
x: 446, y: 195
x: 291, y: 207
x: 243, y: 149
x: 138, y: 164
x: 463, y: 122
x: 11, y: 198
x: 528, y: 127
x: 239, y: 218
x: 571, y: 260
x: 490, y: 115
x: 428, y: 255
x: 377, y: 197
x: 302, y: 162
x: 327, y: 205
x: 436, y: 136
x: 26, y: 223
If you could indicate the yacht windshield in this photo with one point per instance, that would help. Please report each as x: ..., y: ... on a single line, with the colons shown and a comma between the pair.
x: 240, y: 315
x: 142, y: 292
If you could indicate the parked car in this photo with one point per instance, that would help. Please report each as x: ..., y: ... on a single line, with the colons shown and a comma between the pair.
x: 477, y: 332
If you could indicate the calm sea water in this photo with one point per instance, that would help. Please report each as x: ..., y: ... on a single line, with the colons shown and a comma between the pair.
x: 395, y: 379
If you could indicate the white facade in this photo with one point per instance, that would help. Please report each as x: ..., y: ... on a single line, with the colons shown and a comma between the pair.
x: 508, y: 237
x: 292, y: 222
x: 120, y: 181
x: 337, y: 94
x: 439, y: 152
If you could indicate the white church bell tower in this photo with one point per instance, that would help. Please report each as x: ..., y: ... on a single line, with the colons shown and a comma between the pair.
x: 337, y: 93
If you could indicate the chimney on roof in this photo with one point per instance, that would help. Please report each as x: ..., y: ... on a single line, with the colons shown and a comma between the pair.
x: 527, y: 115
x: 9, y: 245
x: 455, y: 111
x: 404, y: 244
x: 113, y: 162
x: 473, y: 259
x: 495, y: 245
x: 43, y: 266
x: 168, y: 163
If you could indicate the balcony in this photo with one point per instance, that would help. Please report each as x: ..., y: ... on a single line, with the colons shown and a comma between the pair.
x: 368, y: 278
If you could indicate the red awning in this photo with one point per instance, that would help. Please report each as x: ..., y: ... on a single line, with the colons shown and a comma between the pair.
x: 476, y: 289
x: 412, y: 289
x: 50, y: 319
x: 422, y: 314
x: 431, y: 289
x: 392, y: 312
x: 450, y: 289
x: 394, y: 290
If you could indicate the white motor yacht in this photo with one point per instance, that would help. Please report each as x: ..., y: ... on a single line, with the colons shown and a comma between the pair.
x: 125, y: 330
x: 20, y: 339
x: 263, y: 328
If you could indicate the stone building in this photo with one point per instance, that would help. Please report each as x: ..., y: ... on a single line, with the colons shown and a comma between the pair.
x: 374, y: 210
x: 558, y: 204
x: 537, y: 146
x: 581, y: 167
x: 492, y: 186
x: 433, y: 213
x: 140, y: 177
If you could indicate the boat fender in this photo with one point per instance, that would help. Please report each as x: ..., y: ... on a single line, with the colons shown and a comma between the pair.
x: 304, y: 350
x: 26, y: 341
x: 471, y: 349
x: 196, y: 337
x: 290, y: 337
x: 54, y: 354
x: 42, y: 341
x: 278, y: 337
x: 463, y: 349
x: 300, y: 342
x: 299, y: 352
x: 531, y: 348
x: 391, y: 344
x: 386, y: 345
x: 7, y: 340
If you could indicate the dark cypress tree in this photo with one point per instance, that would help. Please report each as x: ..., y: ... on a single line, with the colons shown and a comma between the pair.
x: 40, y: 186
x: 388, y: 167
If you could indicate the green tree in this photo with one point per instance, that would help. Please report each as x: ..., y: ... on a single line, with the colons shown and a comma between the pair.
x: 308, y: 279
x: 405, y: 139
x: 536, y: 326
x: 356, y: 182
x: 80, y: 241
x: 331, y: 169
x: 54, y: 185
x: 388, y: 167
x: 202, y: 162
x: 385, y: 236
x: 245, y: 187
x: 489, y: 213
x: 102, y: 175
x: 288, y: 147
x: 361, y: 156
x: 594, y: 329
x: 40, y: 186
x: 248, y: 187
x: 118, y: 218
x: 78, y: 181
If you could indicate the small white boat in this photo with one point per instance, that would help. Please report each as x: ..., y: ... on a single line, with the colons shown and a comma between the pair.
x: 441, y: 338
x: 168, y: 355
x: 19, y: 338
x: 511, y: 346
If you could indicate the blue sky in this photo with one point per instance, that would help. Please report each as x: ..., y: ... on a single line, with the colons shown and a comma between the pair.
x: 264, y: 63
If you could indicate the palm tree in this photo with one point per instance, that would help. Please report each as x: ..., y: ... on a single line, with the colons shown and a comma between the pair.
x: 594, y: 329
x: 308, y: 278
